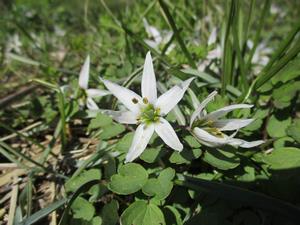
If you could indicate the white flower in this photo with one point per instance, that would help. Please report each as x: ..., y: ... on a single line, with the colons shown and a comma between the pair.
x: 215, y: 53
x: 90, y: 92
x: 158, y: 38
x: 147, y: 110
x: 261, y: 55
x: 208, y: 128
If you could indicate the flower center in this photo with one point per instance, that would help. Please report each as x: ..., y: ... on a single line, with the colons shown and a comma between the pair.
x: 207, y: 125
x: 149, y: 114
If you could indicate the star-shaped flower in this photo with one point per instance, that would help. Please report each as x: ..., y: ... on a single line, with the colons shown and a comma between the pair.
x: 147, y: 111
x: 90, y: 93
x: 209, y: 128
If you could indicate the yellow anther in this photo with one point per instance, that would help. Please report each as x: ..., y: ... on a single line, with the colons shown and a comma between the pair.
x: 135, y: 101
x: 145, y: 100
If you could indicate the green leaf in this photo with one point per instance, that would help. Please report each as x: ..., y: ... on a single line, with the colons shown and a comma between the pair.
x: 222, y: 159
x: 124, y: 143
x: 160, y: 187
x: 141, y: 213
x: 82, y: 209
x: 289, y: 72
x: 111, y: 131
x: 294, y: 130
x: 192, y: 142
x: 283, y: 158
x: 172, y: 215
x: 96, y: 221
x: 285, y: 93
x: 110, y: 214
x: 276, y: 126
x: 101, y: 120
x: 185, y: 156
x: 129, y: 179
x: 150, y: 155
x: 84, y: 177
x: 282, y: 142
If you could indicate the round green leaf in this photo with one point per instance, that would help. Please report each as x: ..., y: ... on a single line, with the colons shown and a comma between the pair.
x: 185, y: 156
x: 87, y: 175
x: 141, y: 213
x: 276, y: 126
x: 294, y: 130
x: 160, y: 187
x: 124, y: 143
x: 129, y: 179
x: 221, y: 159
x: 150, y: 155
x: 283, y: 158
x: 82, y: 209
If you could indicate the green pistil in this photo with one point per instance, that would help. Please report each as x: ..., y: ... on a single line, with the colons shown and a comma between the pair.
x: 207, y: 125
x: 149, y: 114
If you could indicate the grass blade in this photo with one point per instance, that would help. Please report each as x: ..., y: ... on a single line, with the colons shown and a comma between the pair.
x: 43, y: 212
x: 227, y: 58
x: 176, y: 33
x: 264, y: 77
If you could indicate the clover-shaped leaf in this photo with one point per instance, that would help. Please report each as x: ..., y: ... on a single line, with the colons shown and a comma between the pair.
x: 129, y: 179
x: 142, y: 213
x: 87, y: 175
x: 160, y: 187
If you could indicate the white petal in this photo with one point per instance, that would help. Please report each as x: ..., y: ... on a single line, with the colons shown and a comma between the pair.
x: 215, y: 53
x: 152, y: 44
x: 203, y: 104
x: 223, y: 111
x: 231, y: 124
x: 168, y: 135
x: 148, y: 80
x: 140, y: 140
x: 212, y: 37
x: 91, y: 104
x: 126, y: 117
x: 124, y: 95
x: 96, y: 92
x: 203, y: 135
x: 244, y: 144
x: 167, y: 101
x: 84, y: 74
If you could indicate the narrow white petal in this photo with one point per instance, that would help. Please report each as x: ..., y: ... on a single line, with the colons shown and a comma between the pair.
x: 167, y: 101
x: 96, y: 92
x: 126, y: 117
x: 152, y: 44
x: 148, y: 80
x: 203, y: 135
x: 168, y: 135
x: 124, y: 95
x: 244, y: 144
x: 84, y: 74
x: 223, y: 111
x: 231, y: 124
x: 91, y: 104
x: 140, y: 140
x: 215, y: 53
x: 212, y: 37
x: 203, y: 104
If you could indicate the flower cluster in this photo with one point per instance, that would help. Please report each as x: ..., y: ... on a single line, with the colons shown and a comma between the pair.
x: 147, y: 111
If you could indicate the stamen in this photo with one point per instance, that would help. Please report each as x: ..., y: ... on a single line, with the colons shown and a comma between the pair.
x: 145, y: 100
x: 134, y: 100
